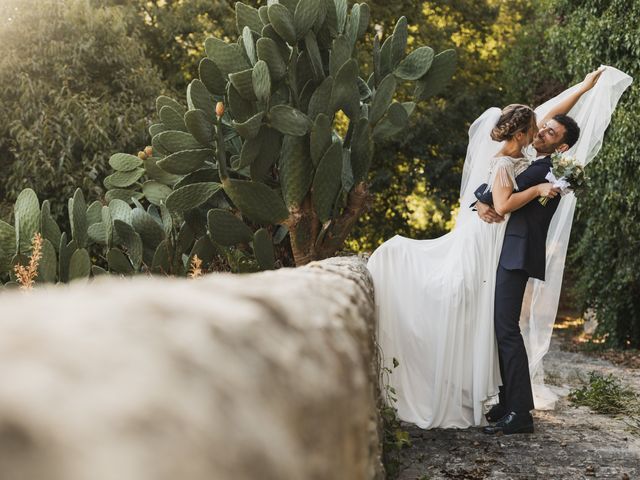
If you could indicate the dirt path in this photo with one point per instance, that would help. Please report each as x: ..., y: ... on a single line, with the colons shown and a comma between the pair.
x: 569, y: 443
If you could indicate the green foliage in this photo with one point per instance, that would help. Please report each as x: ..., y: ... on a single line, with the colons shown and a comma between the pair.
x: 256, y: 160
x: 75, y: 86
x: 606, y: 395
x: 415, y: 181
x: 279, y: 160
x: 173, y: 33
x: 394, y: 438
x: 578, y: 37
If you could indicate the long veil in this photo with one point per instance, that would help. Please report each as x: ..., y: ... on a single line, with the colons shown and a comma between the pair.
x: 593, y: 114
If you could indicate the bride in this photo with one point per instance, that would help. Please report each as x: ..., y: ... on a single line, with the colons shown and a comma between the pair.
x: 434, y: 298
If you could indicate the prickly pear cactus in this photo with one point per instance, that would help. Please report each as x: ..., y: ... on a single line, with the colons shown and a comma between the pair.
x: 61, y: 260
x: 250, y: 172
x: 255, y: 150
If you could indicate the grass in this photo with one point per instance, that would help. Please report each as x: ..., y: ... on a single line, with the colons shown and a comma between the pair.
x: 608, y: 396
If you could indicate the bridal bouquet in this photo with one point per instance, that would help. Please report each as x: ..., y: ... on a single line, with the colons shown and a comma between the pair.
x: 566, y: 174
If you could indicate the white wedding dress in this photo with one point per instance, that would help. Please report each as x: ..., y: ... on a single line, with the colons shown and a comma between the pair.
x: 434, y: 298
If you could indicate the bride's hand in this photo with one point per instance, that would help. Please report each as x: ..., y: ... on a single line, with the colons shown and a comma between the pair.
x: 548, y: 190
x: 591, y: 79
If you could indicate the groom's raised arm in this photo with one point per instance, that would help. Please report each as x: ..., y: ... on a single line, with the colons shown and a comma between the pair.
x: 567, y: 104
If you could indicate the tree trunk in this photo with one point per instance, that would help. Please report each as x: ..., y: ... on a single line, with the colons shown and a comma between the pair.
x: 303, y: 229
x: 357, y: 203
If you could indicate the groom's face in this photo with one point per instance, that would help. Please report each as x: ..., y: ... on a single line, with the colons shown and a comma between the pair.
x: 550, y: 137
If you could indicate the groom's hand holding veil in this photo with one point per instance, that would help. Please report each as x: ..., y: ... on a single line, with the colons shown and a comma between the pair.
x: 591, y: 79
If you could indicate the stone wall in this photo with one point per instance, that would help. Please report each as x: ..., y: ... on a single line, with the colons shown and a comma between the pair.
x: 262, y: 376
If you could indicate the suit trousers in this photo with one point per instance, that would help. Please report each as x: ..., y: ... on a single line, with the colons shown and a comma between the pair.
x: 515, y: 393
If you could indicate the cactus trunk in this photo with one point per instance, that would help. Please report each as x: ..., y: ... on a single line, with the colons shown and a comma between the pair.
x: 358, y: 203
x: 303, y: 227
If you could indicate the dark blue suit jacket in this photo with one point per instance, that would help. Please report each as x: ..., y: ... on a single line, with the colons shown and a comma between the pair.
x: 525, y: 240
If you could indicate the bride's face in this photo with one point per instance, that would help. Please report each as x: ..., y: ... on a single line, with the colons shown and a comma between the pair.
x: 531, y: 134
x: 525, y: 138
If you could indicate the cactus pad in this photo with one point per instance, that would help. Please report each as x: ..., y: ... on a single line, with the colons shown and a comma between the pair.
x: 191, y: 196
x: 256, y: 201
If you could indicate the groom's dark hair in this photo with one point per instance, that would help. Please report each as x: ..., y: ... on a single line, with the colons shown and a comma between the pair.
x: 572, y: 130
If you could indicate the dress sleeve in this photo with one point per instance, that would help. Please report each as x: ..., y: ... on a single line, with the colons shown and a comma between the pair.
x: 503, y: 169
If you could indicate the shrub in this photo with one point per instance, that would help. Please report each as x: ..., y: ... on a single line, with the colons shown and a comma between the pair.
x: 75, y: 87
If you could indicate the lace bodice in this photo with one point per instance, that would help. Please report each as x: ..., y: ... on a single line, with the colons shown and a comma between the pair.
x: 506, y: 169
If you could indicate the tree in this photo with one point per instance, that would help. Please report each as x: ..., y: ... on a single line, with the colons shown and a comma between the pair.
x: 173, y: 32
x: 75, y: 88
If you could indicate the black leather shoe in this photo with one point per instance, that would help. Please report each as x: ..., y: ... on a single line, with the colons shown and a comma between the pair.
x: 496, y: 413
x: 511, y: 423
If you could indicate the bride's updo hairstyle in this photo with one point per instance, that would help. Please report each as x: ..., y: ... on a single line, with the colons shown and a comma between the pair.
x: 515, y: 118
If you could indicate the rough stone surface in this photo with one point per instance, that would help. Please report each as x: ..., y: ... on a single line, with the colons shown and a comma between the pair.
x: 263, y: 376
x: 570, y: 442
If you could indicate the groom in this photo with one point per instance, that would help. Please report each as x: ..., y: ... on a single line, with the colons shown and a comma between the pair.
x: 522, y: 257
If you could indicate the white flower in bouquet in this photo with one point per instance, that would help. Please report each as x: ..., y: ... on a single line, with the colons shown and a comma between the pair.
x: 566, y: 174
